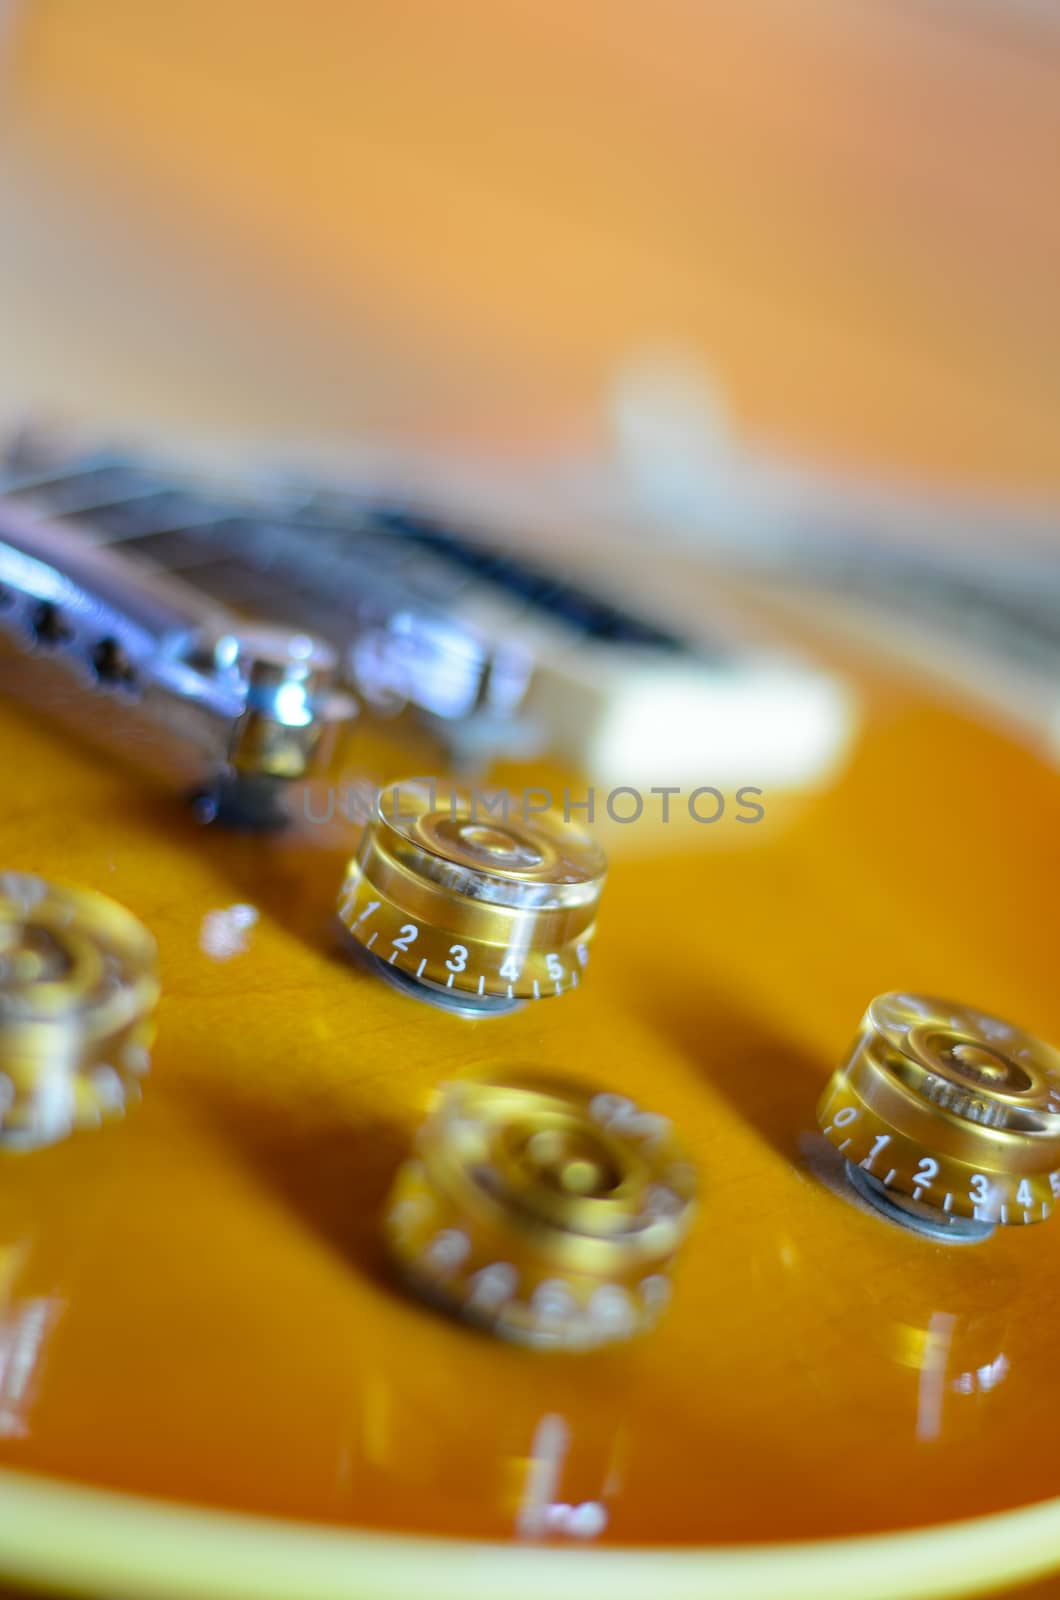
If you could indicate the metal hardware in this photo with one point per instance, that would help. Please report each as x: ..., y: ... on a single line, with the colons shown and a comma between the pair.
x: 542, y: 1209
x: 473, y: 911
x: 78, y: 987
x: 949, y: 1118
x: 256, y: 705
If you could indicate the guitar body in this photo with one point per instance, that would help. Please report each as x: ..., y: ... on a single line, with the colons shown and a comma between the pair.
x: 212, y: 1378
x: 435, y: 225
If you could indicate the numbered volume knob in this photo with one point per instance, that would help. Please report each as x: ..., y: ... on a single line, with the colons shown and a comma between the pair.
x: 468, y: 907
x: 949, y: 1119
x: 542, y: 1209
x: 78, y: 986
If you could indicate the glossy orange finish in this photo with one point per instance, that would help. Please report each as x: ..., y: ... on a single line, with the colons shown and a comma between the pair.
x: 460, y: 221
x: 216, y: 1322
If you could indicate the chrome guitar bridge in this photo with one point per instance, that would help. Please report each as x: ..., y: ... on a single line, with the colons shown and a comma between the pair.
x: 256, y: 705
x: 428, y: 608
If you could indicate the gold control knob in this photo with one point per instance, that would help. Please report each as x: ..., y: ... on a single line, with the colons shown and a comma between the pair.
x: 468, y: 910
x: 949, y: 1119
x: 542, y: 1209
x: 78, y: 986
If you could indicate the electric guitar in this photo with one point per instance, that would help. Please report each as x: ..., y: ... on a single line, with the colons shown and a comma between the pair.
x: 230, y: 1364
x: 215, y: 1376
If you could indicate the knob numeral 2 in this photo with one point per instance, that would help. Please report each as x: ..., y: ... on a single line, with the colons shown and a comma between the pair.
x: 927, y: 1170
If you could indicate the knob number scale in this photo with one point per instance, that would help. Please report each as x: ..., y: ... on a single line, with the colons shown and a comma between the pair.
x: 433, y: 955
x: 954, y: 1187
